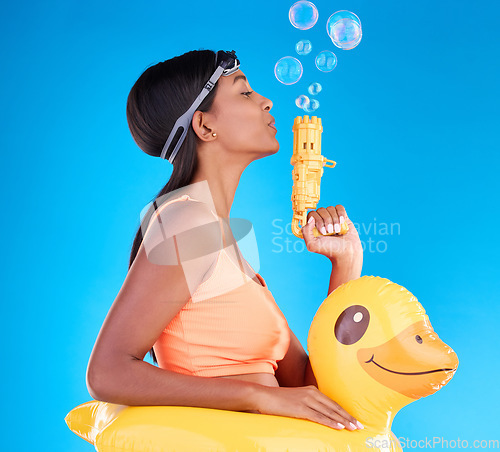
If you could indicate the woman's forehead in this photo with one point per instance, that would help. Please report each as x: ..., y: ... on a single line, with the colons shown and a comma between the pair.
x: 232, y: 79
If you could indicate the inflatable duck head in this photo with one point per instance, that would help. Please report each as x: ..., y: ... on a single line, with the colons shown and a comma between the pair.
x: 373, y: 350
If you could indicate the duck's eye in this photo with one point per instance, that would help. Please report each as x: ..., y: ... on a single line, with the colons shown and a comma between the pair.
x: 352, y: 324
x: 418, y: 339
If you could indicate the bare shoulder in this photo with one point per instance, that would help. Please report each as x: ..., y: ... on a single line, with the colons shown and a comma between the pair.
x: 182, y: 230
x: 185, y: 210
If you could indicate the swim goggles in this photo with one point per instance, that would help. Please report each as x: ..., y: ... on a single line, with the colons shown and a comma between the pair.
x: 226, y: 64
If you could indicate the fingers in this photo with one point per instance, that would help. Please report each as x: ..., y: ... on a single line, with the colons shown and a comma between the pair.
x: 336, y: 421
x: 342, y: 214
x: 323, y: 219
x: 334, y: 225
x: 305, y: 402
x: 307, y: 230
x: 334, y: 411
x: 314, y: 244
x: 321, y: 418
x: 329, y: 220
x: 349, y: 421
x: 343, y: 240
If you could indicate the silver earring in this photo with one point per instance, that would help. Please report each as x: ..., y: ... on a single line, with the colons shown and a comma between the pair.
x: 214, y: 134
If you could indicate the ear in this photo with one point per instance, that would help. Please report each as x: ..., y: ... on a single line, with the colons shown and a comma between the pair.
x: 200, y: 123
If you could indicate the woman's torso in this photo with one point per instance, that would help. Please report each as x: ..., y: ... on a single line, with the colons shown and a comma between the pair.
x: 263, y: 378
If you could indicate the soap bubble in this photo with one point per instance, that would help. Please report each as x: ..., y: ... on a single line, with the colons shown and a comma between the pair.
x: 344, y: 28
x: 288, y: 70
x: 303, y: 15
x: 326, y: 61
x: 302, y: 101
x: 303, y: 47
x: 313, y: 106
x: 315, y: 88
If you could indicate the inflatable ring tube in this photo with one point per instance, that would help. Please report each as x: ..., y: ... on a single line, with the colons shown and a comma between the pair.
x: 372, y: 350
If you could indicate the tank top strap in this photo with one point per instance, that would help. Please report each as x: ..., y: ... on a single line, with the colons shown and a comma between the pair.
x: 224, y: 242
x: 159, y: 208
x: 216, y: 217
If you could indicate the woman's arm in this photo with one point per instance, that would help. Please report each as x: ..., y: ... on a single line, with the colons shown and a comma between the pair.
x: 296, y: 359
x: 309, y: 378
x: 151, y: 296
x: 135, y: 382
x: 345, y: 252
x: 291, y: 369
x: 295, y: 369
x: 345, y: 269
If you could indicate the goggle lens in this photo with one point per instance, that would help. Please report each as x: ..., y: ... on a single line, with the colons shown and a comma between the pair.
x: 228, y: 61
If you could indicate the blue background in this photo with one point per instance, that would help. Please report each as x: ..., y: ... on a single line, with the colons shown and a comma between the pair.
x: 409, y: 115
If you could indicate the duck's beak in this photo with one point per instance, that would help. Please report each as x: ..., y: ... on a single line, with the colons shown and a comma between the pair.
x: 415, y: 363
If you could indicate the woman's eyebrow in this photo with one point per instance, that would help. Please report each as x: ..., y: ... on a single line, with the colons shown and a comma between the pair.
x: 238, y: 77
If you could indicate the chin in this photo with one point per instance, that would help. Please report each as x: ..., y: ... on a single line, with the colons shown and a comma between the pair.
x: 269, y: 151
x: 275, y: 148
x: 272, y: 151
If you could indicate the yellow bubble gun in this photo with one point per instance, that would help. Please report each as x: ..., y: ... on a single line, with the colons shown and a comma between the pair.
x: 307, y: 170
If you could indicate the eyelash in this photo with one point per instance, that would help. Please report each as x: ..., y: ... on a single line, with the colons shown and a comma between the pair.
x: 247, y: 93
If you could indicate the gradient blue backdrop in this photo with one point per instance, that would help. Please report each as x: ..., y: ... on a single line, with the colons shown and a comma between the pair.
x: 409, y: 115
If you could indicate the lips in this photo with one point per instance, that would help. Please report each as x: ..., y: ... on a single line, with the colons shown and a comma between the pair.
x: 271, y: 124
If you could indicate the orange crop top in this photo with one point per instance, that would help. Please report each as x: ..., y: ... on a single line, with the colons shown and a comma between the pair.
x: 231, y: 325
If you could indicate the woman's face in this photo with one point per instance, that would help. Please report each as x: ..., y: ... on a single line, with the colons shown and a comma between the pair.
x: 241, y: 118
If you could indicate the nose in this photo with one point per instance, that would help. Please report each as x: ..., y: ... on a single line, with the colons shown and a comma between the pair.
x: 268, y: 103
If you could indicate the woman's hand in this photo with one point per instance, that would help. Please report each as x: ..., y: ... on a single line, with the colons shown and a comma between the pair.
x: 304, y: 402
x: 337, y: 248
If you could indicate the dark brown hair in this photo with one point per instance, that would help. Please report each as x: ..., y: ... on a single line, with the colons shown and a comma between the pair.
x: 161, y: 94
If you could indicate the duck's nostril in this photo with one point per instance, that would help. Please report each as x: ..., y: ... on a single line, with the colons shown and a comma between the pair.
x: 418, y: 339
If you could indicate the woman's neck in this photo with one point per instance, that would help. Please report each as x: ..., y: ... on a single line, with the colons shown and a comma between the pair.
x: 222, y: 184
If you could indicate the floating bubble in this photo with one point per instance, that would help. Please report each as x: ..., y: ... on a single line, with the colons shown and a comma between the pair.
x: 326, y: 61
x: 344, y: 29
x: 303, y: 15
x: 314, y: 88
x: 288, y: 70
x: 303, y: 47
x: 313, y: 106
x: 302, y: 101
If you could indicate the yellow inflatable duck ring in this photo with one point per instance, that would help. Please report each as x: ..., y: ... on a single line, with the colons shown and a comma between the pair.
x: 372, y: 350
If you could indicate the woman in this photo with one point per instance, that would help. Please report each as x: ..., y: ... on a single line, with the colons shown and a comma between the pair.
x: 223, y: 133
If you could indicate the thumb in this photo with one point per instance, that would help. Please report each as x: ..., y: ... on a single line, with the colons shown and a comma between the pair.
x: 307, y: 230
x: 348, y: 221
x: 352, y: 230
